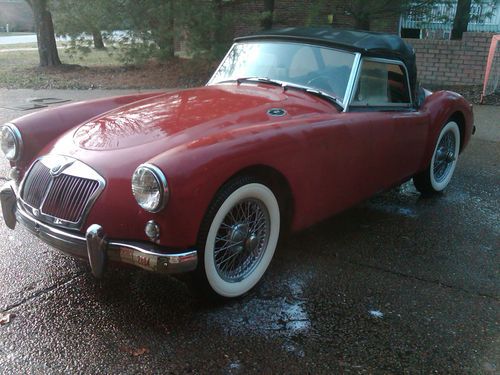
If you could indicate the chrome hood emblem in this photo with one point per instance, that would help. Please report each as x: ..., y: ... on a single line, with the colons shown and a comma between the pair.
x: 57, y: 169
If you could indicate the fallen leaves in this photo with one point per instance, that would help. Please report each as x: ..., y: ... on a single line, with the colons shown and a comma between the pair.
x: 135, y: 352
x: 5, y: 318
x: 17, y: 72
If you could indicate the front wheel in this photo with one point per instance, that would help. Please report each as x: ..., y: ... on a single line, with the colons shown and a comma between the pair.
x: 238, y: 237
x: 444, y: 160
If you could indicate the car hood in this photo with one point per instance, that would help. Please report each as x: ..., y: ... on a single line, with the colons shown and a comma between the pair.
x: 188, y: 114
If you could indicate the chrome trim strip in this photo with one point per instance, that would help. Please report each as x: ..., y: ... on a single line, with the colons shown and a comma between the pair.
x: 19, y: 140
x: 384, y: 105
x: 352, y: 81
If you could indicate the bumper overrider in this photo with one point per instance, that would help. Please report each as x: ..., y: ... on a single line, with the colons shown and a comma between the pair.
x: 95, y: 246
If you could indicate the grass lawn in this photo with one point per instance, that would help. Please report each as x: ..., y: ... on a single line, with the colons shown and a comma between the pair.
x: 19, y: 45
x: 19, y: 69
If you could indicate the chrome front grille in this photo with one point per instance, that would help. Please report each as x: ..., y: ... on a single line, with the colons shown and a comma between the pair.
x: 68, y: 197
x: 37, y: 184
x: 60, y: 190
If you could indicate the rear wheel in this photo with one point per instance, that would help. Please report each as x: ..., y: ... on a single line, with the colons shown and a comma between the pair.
x: 444, y: 160
x: 238, y: 237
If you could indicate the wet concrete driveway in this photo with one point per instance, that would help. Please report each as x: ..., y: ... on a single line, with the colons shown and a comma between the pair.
x: 397, y: 284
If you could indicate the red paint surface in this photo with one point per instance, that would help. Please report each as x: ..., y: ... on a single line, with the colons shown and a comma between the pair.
x: 201, y: 137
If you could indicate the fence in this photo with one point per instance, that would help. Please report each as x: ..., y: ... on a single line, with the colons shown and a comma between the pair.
x: 485, y: 16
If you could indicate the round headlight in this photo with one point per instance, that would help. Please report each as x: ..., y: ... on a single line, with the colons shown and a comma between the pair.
x: 11, y: 142
x: 149, y: 187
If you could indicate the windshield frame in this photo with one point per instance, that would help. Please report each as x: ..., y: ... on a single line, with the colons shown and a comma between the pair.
x: 350, y: 84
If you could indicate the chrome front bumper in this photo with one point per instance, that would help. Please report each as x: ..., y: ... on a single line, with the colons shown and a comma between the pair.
x: 95, y: 246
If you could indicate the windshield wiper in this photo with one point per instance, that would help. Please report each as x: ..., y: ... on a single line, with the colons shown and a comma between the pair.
x: 286, y: 85
x: 254, y: 79
x: 260, y: 80
x: 323, y: 95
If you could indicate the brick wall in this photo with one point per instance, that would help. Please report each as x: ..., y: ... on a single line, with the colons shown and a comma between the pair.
x: 452, y: 62
x: 294, y: 13
x: 439, y: 62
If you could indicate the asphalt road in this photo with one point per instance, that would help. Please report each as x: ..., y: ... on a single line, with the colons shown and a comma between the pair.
x: 397, y: 284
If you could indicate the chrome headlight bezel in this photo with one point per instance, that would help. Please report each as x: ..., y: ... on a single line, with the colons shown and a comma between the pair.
x: 17, y: 139
x: 161, y: 187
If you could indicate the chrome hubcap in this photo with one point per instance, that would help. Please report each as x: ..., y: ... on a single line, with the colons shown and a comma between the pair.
x: 241, y: 240
x: 445, y: 156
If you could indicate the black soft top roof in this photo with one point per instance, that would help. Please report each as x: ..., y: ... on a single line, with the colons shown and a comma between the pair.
x: 365, y: 42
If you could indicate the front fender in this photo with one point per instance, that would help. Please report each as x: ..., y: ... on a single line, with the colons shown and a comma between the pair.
x: 195, y: 172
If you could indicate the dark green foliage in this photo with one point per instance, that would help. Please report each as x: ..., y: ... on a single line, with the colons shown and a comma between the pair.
x: 151, y: 27
x: 208, y: 26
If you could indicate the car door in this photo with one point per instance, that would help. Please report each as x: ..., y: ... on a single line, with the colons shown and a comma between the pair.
x: 339, y: 163
x: 397, y: 129
x: 337, y: 143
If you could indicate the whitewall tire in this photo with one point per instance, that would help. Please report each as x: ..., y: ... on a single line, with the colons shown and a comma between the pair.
x: 240, y: 238
x: 443, y: 163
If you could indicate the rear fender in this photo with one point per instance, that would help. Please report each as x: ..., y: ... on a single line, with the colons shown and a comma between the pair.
x: 441, y: 106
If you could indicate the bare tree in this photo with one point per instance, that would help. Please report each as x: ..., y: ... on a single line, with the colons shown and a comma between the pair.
x: 47, y: 48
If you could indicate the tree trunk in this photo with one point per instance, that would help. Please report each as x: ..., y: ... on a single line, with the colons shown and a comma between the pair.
x: 47, y: 48
x: 98, y: 42
x: 267, y: 21
x: 461, y: 20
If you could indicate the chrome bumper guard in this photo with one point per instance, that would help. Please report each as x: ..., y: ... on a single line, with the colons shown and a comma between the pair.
x: 94, y: 246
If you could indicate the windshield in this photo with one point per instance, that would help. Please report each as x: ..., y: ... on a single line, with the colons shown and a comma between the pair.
x: 317, y: 67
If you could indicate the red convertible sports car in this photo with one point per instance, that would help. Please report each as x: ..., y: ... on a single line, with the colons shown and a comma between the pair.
x: 295, y: 125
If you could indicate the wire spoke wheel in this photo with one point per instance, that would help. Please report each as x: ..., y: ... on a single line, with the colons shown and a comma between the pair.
x: 438, y: 174
x: 240, y: 237
x: 445, y: 156
x: 241, y: 240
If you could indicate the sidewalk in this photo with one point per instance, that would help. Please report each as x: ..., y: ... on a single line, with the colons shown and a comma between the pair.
x: 487, y: 121
x: 25, y: 49
x: 22, y: 96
